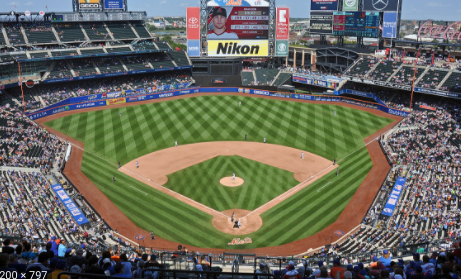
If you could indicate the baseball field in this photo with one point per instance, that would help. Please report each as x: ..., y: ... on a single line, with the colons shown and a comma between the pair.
x: 124, y: 134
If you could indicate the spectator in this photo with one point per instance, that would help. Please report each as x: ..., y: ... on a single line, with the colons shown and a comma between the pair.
x: 77, y: 259
x: 119, y: 271
x: 427, y: 266
x: 337, y: 268
x: 93, y: 266
x: 62, y: 249
x: 28, y: 255
x: 4, y: 260
x: 57, y: 266
x: 16, y: 265
x: 6, y: 248
x: 445, y: 272
x: 41, y: 263
x: 126, y: 264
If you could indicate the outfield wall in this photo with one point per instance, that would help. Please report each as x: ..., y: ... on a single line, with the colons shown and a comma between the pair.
x: 114, y: 98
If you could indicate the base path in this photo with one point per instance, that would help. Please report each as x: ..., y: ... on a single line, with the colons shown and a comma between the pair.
x: 351, y: 216
x: 249, y: 224
x: 231, y: 182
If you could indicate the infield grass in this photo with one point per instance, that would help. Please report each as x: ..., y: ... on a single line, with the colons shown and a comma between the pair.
x: 262, y: 183
x: 143, y: 129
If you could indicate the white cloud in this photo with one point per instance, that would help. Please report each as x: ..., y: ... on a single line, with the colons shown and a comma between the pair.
x: 13, y: 3
x: 183, y: 4
x: 163, y: 2
x: 28, y: 4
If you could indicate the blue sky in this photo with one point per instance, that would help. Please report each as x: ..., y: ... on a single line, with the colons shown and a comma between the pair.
x: 412, y: 9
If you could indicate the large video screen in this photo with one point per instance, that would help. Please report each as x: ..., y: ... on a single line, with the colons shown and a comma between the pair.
x: 324, y: 5
x: 357, y: 24
x: 88, y: 4
x: 238, y: 23
x: 321, y: 23
x: 113, y: 4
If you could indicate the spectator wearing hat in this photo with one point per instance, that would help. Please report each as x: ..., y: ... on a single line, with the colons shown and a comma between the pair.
x: 93, y: 266
x: 292, y: 273
x: 348, y: 275
x: 54, y: 245
x: 418, y: 274
x: 42, y: 262
x: 337, y: 268
x: 107, y: 267
x: 287, y: 268
x: 323, y: 273
x: 427, y: 266
x: 386, y: 258
x: 417, y: 259
x: 263, y: 268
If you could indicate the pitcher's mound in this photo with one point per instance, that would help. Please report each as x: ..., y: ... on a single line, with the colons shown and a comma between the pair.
x: 249, y: 224
x: 229, y: 182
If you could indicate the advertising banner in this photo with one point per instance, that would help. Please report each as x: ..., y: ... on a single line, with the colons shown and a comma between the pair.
x: 350, y: 5
x: 193, y: 47
x: 321, y: 23
x: 388, y: 209
x: 281, y: 48
x: 88, y: 4
x: 283, y: 21
x: 390, y: 25
x: 324, y: 5
x: 113, y: 4
x: 229, y: 48
x: 381, y: 5
x: 116, y: 101
x: 70, y: 205
x: 238, y: 3
x: 238, y: 23
x: 193, y: 23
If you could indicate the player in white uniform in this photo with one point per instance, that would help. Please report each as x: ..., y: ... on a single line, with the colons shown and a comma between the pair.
x: 219, y: 22
x: 137, y: 164
x: 302, y: 155
x: 233, y: 176
x: 175, y: 143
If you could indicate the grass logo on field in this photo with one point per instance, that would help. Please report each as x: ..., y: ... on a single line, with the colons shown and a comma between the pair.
x: 66, y: 107
x: 237, y: 241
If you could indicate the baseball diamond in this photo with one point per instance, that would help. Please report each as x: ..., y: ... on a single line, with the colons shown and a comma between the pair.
x: 143, y: 129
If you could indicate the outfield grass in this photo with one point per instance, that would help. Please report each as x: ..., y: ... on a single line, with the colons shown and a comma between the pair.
x: 200, y: 182
x: 142, y: 129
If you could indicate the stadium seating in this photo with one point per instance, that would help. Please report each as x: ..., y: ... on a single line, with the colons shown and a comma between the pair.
x: 141, y: 30
x: 118, y: 49
x: 134, y: 63
x: 40, y: 34
x: 145, y: 46
x: 60, y: 70
x: 179, y: 57
x: 432, y: 78
x: 248, y: 78
x: 163, y: 46
x: 64, y: 53
x: 453, y: 83
x: 15, y: 35
x: 69, y: 32
x: 384, y: 70
x: 97, y: 32
x: 38, y: 54
x: 92, y: 51
x: 405, y: 75
x: 2, y: 39
x: 361, y: 68
x: 121, y: 31
x: 83, y: 67
x: 265, y: 76
x: 281, y: 78
x: 109, y: 65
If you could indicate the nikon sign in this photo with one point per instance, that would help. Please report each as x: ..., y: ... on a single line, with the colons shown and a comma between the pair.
x: 227, y: 48
x: 281, y: 48
x: 350, y: 5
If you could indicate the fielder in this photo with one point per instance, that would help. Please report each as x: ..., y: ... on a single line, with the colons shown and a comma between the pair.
x: 264, y: 140
x: 240, y: 103
x: 119, y: 114
x: 233, y: 176
x: 302, y: 155
x: 175, y: 143
x: 137, y: 164
x: 335, y: 112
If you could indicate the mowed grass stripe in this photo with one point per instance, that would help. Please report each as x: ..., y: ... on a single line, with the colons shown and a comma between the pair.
x: 150, y: 127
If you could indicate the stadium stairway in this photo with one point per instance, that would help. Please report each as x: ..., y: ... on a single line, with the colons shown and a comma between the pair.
x: 422, y: 75
x: 56, y: 34
x: 444, y: 79
x: 254, y: 75
x: 26, y: 40
x: 109, y: 32
x: 84, y: 32
x: 134, y: 30
x: 95, y: 66
x: 344, y: 81
x: 395, y: 72
x: 275, y: 78
x: 5, y: 36
x: 124, y: 66
x: 69, y: 66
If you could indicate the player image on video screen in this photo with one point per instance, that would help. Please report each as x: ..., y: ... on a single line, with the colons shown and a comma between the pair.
x: 219, y: 19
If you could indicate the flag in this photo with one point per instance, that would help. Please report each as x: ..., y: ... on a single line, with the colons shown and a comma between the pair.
x: 380, y: 27
x: 46, y: 6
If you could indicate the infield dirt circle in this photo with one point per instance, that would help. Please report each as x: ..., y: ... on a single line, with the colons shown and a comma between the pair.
x: 229, y: 182
x: 250, y: 223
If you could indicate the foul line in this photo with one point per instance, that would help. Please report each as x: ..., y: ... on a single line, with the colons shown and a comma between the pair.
x: 323, y: 186
x: 139, y: 190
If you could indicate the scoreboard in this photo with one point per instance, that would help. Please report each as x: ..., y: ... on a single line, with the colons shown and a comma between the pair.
x: 357, y: 24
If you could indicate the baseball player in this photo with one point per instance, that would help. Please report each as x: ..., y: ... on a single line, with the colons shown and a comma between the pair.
x: 233, y: 176
x: 335, y: 112
x: 119, y: 114
x: 264, y: 140
x: 219, y: 32
x: 240, y: 103
x: 232, y: 217
x: 175, y: 143
x: 113, y: 179
x: 302, y: 155
x: 137, y: 164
